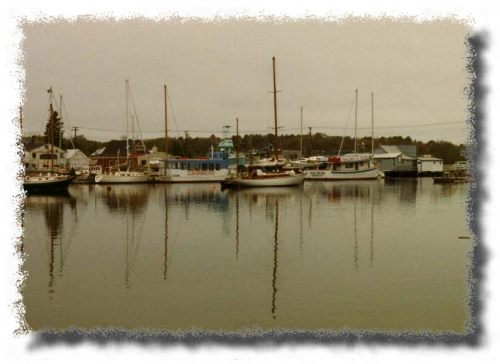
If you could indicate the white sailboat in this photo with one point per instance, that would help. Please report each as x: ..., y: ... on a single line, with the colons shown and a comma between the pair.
x: 130, y: 175
x: 269, y: 173
x: 352, y: 166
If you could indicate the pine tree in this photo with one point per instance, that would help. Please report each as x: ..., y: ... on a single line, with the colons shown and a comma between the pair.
x: 56, y: 121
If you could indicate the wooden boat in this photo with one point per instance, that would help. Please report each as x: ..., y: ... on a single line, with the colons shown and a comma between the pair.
x: 122, y: 177
x: 269, y: 173
x: 346, y: 167
x: 47, y: 183
x: 352, y: 166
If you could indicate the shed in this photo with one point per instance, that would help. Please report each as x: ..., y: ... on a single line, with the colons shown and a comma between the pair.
x: 76, y: 159
x: 44, y: 157
x: 429, y: 165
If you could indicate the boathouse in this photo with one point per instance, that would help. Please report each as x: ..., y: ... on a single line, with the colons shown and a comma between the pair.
x: 45, y: 158
x: 429, y: 166
x: 397, y: 161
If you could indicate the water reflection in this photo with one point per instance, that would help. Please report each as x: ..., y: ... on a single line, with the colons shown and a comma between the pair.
x: 52, y: 209
x: 291, y: 258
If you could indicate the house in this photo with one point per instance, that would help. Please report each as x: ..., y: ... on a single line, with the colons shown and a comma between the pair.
x: 397, y: 161
x: 45, y: 158
x: 115, y: 153
x: 76, y: 159
x: 429, y: 165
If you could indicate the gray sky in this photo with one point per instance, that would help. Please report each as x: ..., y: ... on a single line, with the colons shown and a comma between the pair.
x: 216, y: 72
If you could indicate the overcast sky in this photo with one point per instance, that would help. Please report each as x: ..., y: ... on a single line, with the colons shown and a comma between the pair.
x: 216, y: 72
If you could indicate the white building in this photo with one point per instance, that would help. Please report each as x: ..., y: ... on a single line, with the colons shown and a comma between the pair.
x: 44, y: 157
x: 76, y: 159
x: 429, y: 165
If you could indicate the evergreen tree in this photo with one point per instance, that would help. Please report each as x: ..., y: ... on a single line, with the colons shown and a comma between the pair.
x: 55, y: 120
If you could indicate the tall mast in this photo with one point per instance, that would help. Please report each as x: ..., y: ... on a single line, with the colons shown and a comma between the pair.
x: 60, y: 119
x: 275, y: 113
x: 166, y: 119
x: 301, y: 155
x: 356, y: 123
x: 126, y: 115
x: 237, y: 145
x: 372, y: 123
x: 51, y: 110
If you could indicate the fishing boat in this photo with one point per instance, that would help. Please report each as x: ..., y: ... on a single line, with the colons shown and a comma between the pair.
x: 270, y: 172
x: 131, y: 174
x: 47, y: 182
x: 351, y: 166
x: 212, y: 168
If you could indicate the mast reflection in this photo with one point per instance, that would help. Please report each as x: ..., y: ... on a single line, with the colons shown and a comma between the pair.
x: 275, y: 259
x: 165, y: 252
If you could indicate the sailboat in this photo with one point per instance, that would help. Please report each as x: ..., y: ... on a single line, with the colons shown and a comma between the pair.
x: 130, y: 175
x: 351, y: 166
x: 46, y: 182
x: 268, y: 173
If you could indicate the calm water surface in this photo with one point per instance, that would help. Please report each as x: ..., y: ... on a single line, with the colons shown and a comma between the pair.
x: 371, y: 255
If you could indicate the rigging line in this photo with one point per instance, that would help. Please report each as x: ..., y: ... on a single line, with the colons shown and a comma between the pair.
x: 347, y: 123
x: 136, y: 116
x: 169, y: 100
x: 64, y: 109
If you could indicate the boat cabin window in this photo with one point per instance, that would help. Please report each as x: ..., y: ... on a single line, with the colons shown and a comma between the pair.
x: 211, y: 167
x: 348, y: 165
x: 217, y: 166
x: 204, y: 167
x: 189, y: 167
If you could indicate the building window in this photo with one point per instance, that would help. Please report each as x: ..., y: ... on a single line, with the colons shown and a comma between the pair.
x: 33, y: 155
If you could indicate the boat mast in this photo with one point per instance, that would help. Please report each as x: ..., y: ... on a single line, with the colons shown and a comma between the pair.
x: 275, y: 113
x: 301, y: 154
x: 166, y: 120
x: 60, y: 119
x: 51, y: 126
x: 356, y: 123
x: 126, y: 115
x: 237, y: 146
x: 372, y: 123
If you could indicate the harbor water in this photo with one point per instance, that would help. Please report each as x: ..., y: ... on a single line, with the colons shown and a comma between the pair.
x: 380, y: 256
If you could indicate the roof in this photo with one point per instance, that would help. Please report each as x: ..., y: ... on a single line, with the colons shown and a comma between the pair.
x: 70, y: 153
x: 427, y: 158
x: 390, y: 149
x: 46, y: 148
x: 408, y: 152
x: 113, y: 149
x: 386, y: 155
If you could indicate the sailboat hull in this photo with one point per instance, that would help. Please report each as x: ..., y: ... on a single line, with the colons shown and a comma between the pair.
x: 55, y: 184
x: 326, y: 175
x: 121, y: 178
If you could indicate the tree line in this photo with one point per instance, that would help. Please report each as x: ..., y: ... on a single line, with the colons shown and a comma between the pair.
x: 312, y: 144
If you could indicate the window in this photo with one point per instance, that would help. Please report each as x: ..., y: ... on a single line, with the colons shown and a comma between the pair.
x: 46, y: 156
x: 348, y: 165
x: 217, y: 166
x: 33, y: 155
x: 211, y: 167
x: 204, y: 166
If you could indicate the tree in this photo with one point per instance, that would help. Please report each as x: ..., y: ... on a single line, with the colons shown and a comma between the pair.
x: 54, y: 120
